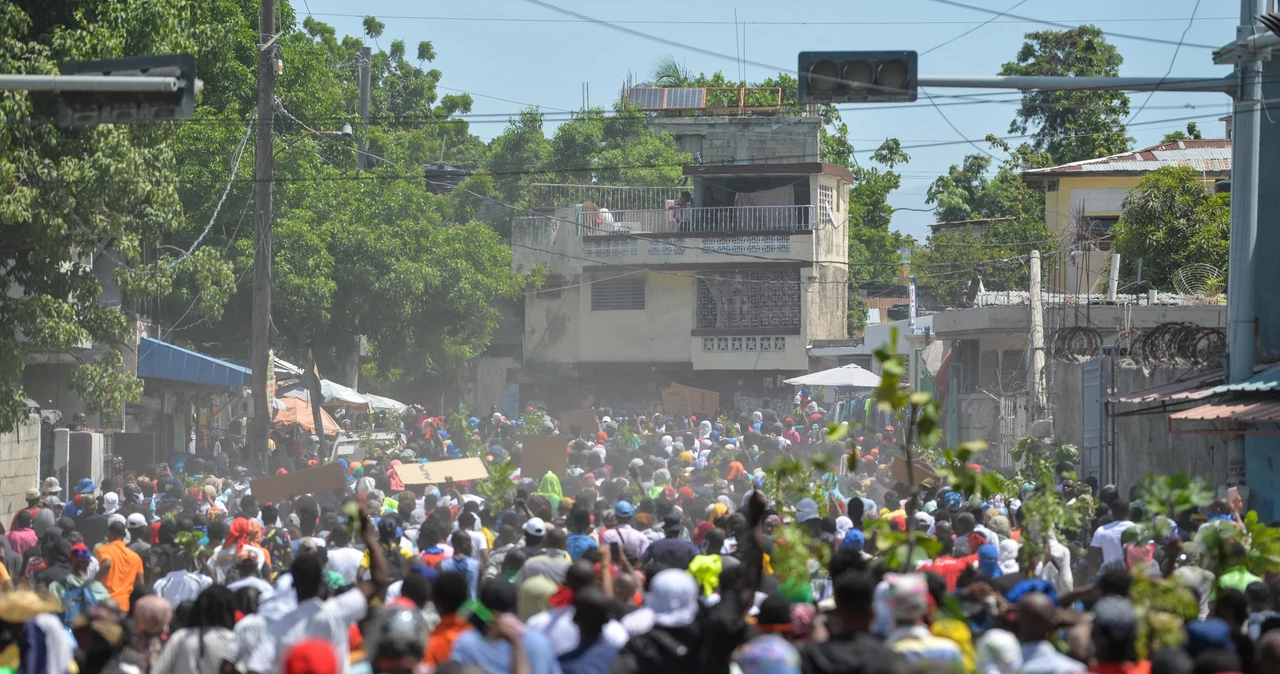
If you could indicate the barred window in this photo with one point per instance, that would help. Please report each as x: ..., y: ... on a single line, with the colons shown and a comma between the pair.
x: 752, y: 299
x: 826, y: 204
x: 618, y: 294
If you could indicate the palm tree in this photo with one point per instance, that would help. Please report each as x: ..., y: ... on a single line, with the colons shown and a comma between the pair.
x: 668, y: 72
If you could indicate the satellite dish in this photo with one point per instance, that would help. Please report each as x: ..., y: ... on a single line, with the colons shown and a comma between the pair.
x: 1198, y: 280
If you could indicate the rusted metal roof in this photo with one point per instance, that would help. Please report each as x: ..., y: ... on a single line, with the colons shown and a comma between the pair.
x: 1208, y: 155
x: 1255, y: 411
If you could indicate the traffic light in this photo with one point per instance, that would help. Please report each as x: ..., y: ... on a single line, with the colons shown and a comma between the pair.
x: 83, y: 108
x: 857, y: 76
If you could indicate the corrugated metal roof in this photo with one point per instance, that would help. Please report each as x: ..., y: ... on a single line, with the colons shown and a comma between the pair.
x: 1267, y: 380
x: 1252, y: 411
x: 1211, y: 155
x: 1191, y: 388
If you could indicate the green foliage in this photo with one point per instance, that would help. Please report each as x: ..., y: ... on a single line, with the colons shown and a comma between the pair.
x: 499, y: 486
x: 901, y: 550
x: 857, y: 318
x: 1170, y: 495
x: 373, y: 27
x: 1038, y: 455
x: 1192, y: 132
x: 789, y: 479
x: 460, y: 433
x: 1170, y: 220
x: 1071, y: 125
x: 104, y: 386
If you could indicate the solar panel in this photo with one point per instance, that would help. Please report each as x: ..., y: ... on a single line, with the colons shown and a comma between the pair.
x: 658, y: 98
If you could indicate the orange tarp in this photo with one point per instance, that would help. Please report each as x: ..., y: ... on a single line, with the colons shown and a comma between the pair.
x: 298, y: 411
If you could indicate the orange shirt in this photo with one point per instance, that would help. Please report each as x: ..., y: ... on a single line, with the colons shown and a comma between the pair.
x: 440, y: 645
x: 125, y: 567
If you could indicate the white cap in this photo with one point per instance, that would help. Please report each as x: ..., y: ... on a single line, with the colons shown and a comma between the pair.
x: 136, y: 521
x: 535, y: 527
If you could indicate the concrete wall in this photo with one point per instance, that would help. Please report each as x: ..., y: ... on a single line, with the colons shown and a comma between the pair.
x: 19, y: 465
x: 658, y: 334
x: 1142, y: 443
x: 724, y: 140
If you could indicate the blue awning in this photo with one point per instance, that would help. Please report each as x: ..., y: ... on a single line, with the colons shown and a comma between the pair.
x: 161, y: 360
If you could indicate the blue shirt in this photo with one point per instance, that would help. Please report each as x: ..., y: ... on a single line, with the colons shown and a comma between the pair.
x: 467, y: 567
x: 579, y: 544
x: 494, y: 657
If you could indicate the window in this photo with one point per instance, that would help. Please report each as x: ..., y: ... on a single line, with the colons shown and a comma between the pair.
x: 826, y: 204
x: 1094, y: 232
x: 752, y: 299
x: 624, y: 293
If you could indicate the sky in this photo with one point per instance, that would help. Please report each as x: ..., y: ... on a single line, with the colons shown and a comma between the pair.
x: 513, y: 53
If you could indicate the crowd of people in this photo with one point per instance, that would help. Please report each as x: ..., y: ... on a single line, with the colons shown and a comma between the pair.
x: 667, y: 545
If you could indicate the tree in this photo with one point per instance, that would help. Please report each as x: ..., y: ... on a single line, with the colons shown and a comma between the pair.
x: 1071, y: 125
x: 1170, y: 220
x: 874, y: 248
x: 993, y: 250
x: 100, y: 193
x: 668, y: 72
x: 1192, y: 132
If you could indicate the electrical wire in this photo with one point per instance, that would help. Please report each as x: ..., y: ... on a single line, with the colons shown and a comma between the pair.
x: 975, y: 28
x: 1173, y: 60
x: 952, y: 125
x: 1064, y: 26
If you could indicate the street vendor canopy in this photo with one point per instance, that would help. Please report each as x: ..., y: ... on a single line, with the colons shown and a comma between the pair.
x: 162, y: 360
x: 845, y: 375
x: 298, y: 411
x: 378, y: 402
x: 334, y: 394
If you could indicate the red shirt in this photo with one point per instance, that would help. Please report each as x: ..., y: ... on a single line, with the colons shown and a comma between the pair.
x: 950, y: 568
x: 1143, y: 667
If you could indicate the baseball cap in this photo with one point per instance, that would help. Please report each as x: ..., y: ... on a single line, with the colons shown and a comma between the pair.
x: 623, y: 509
x: 137, y: 521
x: 535, y: 527
x: 673, y: 597
x: 672, y: 522
x: 33, y: 494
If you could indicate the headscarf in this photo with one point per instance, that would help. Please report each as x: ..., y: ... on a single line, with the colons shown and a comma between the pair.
x: 704, y: 428
x: 843, y: 525
x: 255, y: 532
x: 550, y: 487
x: 718, y: 510
x: 535, y: 596
x: 1009, y: 555
x: 237, y: 533
x: 700, y: 531
x: 989, y: 561
x: 44, y: 521
x: 706, y: 570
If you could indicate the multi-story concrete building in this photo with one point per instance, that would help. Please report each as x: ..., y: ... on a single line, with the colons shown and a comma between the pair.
x: 720, y: 285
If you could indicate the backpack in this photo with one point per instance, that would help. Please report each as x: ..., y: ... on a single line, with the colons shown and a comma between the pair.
x: 75, y: 601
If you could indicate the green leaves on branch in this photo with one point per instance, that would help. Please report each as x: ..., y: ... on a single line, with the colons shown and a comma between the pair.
x: 104, y: 387
x: 498, y: 487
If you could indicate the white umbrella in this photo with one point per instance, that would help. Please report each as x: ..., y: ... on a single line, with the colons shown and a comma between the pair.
x: 378, y: 402
x: 845, y: 375
x: 332, y: 392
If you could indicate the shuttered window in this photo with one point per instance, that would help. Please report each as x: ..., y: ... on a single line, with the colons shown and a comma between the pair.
x: 618, y: 294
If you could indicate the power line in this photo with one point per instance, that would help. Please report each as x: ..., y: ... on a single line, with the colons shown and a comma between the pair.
x: 952, y: 125
x: 691, y: 22
x: 971, y: 30
x: 1172, y: 61
x: 1066, y: 26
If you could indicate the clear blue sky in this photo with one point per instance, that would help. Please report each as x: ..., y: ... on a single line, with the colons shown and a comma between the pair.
x: 489, y: 47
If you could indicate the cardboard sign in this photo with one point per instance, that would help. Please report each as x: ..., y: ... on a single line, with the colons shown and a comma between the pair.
x: 435, y: 472
x: 702, y: 402
x: 278, y: 488
x: 543, y: 454
x: 675, y: 401
x: 922, y: 471
x: 585, y: 419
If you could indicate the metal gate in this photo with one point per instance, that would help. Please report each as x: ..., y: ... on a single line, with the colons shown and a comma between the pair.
x: 954, y: 387
x: 1013, y: 426
x: 1095, y: 388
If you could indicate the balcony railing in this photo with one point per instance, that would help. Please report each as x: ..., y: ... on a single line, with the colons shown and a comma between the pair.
x: 552, y: 195
x: 716, y: 219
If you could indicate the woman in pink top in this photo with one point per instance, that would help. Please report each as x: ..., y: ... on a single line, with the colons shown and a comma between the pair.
x: 22, y: 536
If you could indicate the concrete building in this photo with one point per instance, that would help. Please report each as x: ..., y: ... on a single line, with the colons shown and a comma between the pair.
x: 723, y: 290
x: 744, y: 140
x: 1083, y: 200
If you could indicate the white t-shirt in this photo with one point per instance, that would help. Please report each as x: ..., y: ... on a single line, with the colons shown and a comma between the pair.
x: 314, y: 618
x: 558, y: 627
x: 223, y: 561
x: 179, y: 586
x: 182, y: 654
x: 478, y: 544
x: 1107, y: 538
x: 345, y: 561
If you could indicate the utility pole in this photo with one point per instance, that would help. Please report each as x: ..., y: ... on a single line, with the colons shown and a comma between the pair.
x: 364, y: 163
x: 260, y: 360
x: 1035, y: 384
x: 1246, y: 139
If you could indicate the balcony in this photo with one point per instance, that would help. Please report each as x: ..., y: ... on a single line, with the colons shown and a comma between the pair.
x: 697, y: 220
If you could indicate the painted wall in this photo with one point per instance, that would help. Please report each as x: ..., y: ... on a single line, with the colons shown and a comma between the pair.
x: 658, y: 334
x: 19, y: 465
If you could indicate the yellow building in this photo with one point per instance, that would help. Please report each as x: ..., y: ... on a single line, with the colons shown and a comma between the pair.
x: 1083, y: 201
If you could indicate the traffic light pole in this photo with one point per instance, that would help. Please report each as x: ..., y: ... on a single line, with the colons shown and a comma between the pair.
x: 63, y: 83
x: 260, y: 360
x: 1051, y: 83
